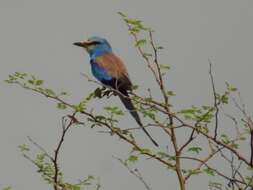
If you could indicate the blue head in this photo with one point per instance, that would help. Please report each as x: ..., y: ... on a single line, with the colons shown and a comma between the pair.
x: 95, y: 46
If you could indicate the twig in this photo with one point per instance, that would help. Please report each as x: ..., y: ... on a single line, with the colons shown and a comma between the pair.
x: 234, y: 170
x: 149, y: 64
x: 36, y: 164
x: 249, y: 124
x: 190, y: 139
x: 215, y: 170
x: 40, y: 148
x: 226, y: 146
x: 161, y: 83
x: 215, y: 100
x: 65, y: 128
x: 93, y: 118
x: 135, y: 172
x: 204, y: 161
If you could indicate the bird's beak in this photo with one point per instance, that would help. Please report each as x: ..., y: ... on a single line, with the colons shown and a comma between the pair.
x: 83, y: 44
x: 80, y: 44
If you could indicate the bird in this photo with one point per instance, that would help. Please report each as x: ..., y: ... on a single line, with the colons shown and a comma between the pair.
x: 110, y: 70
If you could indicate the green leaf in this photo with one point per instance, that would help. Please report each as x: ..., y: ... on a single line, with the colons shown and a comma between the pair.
x: 196, y: 150
x: 145, y: 151
x: 163, y: 155
x: 114, y: 110
x: 90, y: 177
x: 209, y: 171
x: 225, y: 139
x: 100, y: 118
x: 20, y: 75
x: 7, y: 188
x: 147, y: 54
x: 41, y: 156
x: 49, y: 92
x: 80, y: 107
x: 39, y: 82
x: 148, y: 114
x: 133, y: 21
x: 31, y: 82
x: 224, y: 99
x: 171, y: 93
x: 188, y: 111
x: 68, y: 186
x: 194, y: 172
x: 11, y: 79
x: 165, y: 67
x: 234, y: 145
x: 230, y: 87
x: 207, y: 108
x: 233, y: 89
x: 8, y: 81
x: 141, y: 42
x: 198, y: 114
x: 132, y: 158
x: 148, y: 99
x: 23, y: 148
x: 76, y: 187
x: 134, y: 30
x: 61, y: 106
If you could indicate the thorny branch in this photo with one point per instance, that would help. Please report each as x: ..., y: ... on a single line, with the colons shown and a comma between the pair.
x: 234, y: 169
x: 159, y: 79
x: 168, y: 163
x: 216, y: 103
x: 173, y: 122
x: 100, y: 123
x: 204, y: 161
x: 67, y: 122
x: 65, y: 128
x: 213, y: 169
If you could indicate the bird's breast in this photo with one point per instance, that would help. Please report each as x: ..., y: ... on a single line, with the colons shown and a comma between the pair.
x: 99, y: 72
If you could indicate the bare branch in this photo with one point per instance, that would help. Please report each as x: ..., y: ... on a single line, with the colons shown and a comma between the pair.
x: 65, y: 128
x: 135, y: 172
x: 249, y: 124
x: 215, y: 100
x: 215, y: 170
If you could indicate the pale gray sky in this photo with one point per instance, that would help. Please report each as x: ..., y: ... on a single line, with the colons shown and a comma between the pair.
x: 37, y: 36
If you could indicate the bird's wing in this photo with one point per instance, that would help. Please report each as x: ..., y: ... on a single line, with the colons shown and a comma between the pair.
x: 112, y: 69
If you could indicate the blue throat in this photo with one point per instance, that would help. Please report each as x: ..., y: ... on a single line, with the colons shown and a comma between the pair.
x: 100, y: 73
x: 96, y: 52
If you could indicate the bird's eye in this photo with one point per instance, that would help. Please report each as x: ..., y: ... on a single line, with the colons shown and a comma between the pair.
x: 96, y: 42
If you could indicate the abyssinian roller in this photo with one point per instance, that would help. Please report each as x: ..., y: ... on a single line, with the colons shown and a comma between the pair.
x: 111, y: 71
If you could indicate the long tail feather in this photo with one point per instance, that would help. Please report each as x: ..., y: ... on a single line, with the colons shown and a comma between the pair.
x: 130, y: 107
